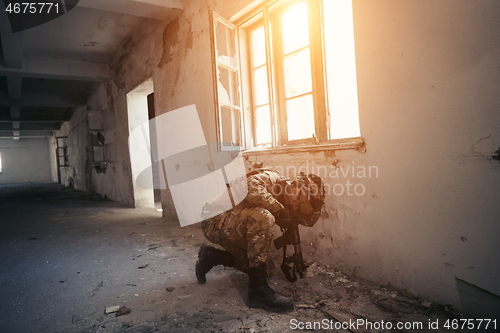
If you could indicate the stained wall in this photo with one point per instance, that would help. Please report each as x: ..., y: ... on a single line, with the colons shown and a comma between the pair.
x: 426, y: 208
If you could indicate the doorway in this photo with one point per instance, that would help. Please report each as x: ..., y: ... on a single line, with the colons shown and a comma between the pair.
x: 140, y: 105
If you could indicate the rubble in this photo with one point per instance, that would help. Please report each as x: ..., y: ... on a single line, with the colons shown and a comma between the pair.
x: 111, y: 309
x: 167, y: 297
x: 324, y: 297
x: 123, y: 310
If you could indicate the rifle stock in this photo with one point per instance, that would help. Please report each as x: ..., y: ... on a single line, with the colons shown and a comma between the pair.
x: 281, y: 241
x: 290, y: 236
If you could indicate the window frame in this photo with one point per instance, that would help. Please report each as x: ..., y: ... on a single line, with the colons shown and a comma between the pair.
x: 316, y: 66
x: 214, y: 17
x: 267, y: 15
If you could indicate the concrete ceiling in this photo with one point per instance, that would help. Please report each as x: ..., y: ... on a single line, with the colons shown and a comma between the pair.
x: 49, y: 70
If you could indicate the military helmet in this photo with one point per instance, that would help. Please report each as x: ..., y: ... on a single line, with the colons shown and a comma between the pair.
x: 311, y: 198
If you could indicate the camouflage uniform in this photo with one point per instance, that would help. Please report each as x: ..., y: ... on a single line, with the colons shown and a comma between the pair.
x: 246, y: 231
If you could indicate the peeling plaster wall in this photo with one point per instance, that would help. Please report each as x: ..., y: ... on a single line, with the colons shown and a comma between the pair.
x: 184, y: 73
x: 134, y: 63
x: 428, y: 93
x: 428, y: 82
x: 76, y: 130
x: 115, y: 183
x: 25, y: 161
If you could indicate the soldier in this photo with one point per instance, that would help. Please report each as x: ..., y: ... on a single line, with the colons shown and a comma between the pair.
x: 246, y: 231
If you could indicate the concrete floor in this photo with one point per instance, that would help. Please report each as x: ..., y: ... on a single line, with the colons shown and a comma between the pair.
x: 67, y: 255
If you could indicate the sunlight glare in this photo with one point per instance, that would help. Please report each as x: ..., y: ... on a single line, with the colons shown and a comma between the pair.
x: 295, y: 28
x: 341, y: 69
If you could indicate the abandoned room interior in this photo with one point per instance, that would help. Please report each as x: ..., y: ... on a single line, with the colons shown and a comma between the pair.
x: 394, y: 104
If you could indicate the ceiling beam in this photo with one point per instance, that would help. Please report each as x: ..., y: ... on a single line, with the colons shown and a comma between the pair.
x: 171, y: 4
x: 40, y: 100
x: 15, y: 113
x: 62, y: 69
x: 28, y: 120
x: 12, y: 43
x: 14, y: 85
x: 39, y: 117
x: 52, y: 126
x: 28, y: 126
x: 23, y: 134
x: 158, y: 9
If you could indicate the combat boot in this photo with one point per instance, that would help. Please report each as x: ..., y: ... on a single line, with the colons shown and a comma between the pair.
x: 260, y: 295
x: 208, y: 257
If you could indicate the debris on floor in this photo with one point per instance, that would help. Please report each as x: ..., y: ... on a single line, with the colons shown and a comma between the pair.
x: 326, y: 300
x: 123, y: 310
x: 98, y: 270
x: 111, y: 309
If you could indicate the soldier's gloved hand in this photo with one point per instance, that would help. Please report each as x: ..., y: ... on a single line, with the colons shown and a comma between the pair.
x: 283, y: 218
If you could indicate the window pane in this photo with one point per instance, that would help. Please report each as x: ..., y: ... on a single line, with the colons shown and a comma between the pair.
x: 297, y: 68
x: 230, y: 126
x: 226, y: 50
x: 300, y: 117
x: 227, y: 82
x: 263, y: 124
x: 260, y: 87
x: 295, y: 28
x: 228, y: 87
x: 258, y: 47
x: 341, y: 69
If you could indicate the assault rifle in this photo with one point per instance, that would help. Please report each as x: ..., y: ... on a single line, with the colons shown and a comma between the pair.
x: 290, y: 236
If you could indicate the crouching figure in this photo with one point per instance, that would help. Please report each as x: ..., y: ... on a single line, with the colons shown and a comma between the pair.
x: 246, y: 231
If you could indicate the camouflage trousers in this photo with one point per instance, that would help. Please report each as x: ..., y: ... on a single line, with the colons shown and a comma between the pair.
x: 245, y: 233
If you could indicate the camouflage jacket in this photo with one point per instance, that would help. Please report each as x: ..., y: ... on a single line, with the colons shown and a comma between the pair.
x: 260, y: 183
x: 258, y: 194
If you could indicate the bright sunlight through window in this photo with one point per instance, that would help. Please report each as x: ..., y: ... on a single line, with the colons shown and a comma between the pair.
x: 341, y: 69
x: 298, y: 73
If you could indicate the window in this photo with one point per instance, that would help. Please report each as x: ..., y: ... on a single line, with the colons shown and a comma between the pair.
x: 295, y: 77
x: 227, y: 84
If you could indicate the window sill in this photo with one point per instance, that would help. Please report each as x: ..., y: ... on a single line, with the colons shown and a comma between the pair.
x: 339, y: 144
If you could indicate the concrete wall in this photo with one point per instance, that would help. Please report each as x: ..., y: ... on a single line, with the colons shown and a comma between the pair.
x: 52, y: 158
x: 134, y: 64
x: 25, y: 160
x: 428, y: 95
x: 78, y: 155
x: 426, y: 208
x: 428, y: 82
